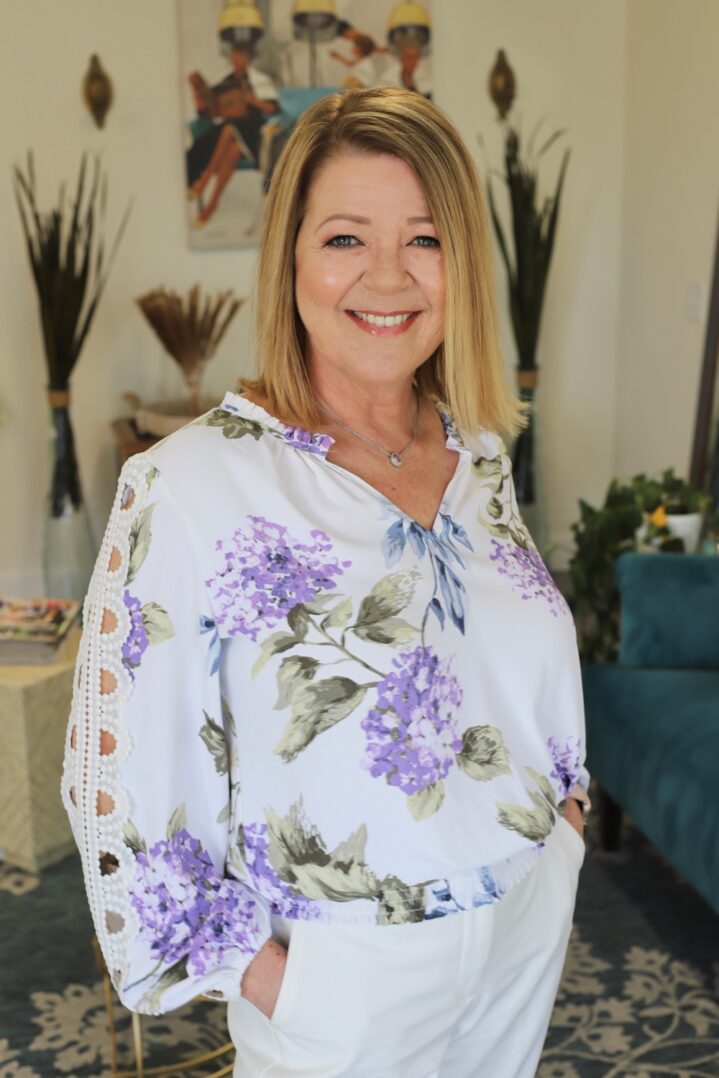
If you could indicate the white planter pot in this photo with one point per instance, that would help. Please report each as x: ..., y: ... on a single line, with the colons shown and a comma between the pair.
x: 686, y: 526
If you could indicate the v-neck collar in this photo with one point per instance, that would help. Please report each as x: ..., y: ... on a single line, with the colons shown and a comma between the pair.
x: 317, y: 443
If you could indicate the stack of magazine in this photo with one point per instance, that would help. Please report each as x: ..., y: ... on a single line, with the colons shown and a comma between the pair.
x: 36, y: 630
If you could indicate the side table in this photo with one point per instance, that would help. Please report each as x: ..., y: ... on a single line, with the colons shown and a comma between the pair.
x: 35, y: 702
x: 129, y: 441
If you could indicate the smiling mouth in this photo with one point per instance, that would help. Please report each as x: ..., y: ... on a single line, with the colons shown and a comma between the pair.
x: 385, y: 320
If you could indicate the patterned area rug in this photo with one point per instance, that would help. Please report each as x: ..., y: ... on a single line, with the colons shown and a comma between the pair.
x: 639, y: 995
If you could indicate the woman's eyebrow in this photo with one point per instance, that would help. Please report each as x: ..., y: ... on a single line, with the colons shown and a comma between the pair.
x: 366, y: 220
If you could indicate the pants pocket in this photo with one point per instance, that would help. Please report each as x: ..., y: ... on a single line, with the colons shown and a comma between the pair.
x: 575, y: 841
x: 289, y: 988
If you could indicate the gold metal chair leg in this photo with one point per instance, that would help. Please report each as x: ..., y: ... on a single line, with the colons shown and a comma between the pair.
x: 137, y: 1043
x: 140, y: 1070
x: 107, y: 993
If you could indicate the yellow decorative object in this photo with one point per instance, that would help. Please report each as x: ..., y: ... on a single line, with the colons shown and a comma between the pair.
x: 240, y: 14
x: 314, y: 7
x: 659, y: 517
x: 408, y: 14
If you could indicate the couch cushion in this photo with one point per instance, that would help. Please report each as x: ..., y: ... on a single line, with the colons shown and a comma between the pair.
x: 653, y: 744
x: 669, y: 610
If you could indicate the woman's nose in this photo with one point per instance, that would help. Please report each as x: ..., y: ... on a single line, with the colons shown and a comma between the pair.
x: 386, y: 272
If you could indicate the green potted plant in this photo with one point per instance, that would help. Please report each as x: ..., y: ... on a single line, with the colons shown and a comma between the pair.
x: 673, y: 507
x: 635, y: 516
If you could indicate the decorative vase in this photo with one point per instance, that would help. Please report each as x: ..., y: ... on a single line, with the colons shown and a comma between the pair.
x: 69, y: 550
x: 525, y: 464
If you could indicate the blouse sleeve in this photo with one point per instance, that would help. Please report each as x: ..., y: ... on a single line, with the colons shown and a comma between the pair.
x: 147, y: 782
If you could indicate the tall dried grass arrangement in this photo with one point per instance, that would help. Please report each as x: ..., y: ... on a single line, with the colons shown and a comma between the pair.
x: 190, y: 329
x: 69, y: 282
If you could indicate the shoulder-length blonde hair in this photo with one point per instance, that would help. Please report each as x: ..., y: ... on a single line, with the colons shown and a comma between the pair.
x: 466, y: 370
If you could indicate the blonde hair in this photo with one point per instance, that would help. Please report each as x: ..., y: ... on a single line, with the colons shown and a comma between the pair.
x: 466, y: 370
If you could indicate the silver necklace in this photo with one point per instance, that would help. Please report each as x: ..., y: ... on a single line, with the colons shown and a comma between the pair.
x: 395, y: 458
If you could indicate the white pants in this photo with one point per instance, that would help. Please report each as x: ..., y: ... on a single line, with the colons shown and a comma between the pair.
x: 466, y: 995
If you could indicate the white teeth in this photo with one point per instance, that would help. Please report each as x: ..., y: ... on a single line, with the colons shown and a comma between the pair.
x: 381, y: 319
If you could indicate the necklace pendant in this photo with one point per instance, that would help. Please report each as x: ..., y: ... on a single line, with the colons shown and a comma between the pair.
x: 396, y: 460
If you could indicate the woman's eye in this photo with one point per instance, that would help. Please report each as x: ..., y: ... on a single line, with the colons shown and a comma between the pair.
x: 338, y: 241
x: 426, y: 241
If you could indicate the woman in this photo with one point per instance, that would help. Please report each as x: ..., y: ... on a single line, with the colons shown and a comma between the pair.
x: 328, y: 695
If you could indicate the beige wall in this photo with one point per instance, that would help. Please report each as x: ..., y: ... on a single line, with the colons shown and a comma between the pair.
x: 569, y: 58
x: 596, y: 69
x: 671, y: 199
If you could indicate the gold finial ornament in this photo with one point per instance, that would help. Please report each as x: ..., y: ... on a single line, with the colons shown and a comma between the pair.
x: 97, y: 90
x: 502, y: 84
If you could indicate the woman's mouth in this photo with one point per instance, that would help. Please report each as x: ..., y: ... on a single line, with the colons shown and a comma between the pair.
x: 384, y: 325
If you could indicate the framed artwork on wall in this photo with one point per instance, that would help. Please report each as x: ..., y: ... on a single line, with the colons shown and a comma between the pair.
x: 249, y: 68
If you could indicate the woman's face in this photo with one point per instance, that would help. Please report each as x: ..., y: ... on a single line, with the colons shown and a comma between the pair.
x: 367, y: 248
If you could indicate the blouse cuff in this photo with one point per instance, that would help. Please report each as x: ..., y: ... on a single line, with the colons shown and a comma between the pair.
x: 580, y: 794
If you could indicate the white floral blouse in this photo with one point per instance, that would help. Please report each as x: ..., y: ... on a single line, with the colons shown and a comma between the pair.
x: 290, y: 697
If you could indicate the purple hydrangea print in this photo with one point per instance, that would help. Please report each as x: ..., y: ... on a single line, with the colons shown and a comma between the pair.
x: 412, y: 736
x: 187, y: 910
x: 567, y: 762
x: 266, y: 881
x: 267, y: 572
x: 319, y: 444
x: 528, y: 574
x: 137, y: 640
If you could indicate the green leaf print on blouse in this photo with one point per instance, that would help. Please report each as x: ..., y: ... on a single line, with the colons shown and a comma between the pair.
x: 300, y: 858
x: 316, y: 708
x: 301, y: 861
x: 513, y: 549
x: 231, y: 424
x: 483, y: 755
x: 213, y: 736
x: 150, y: 623
x: 533, y: 823
x: 377, y: 619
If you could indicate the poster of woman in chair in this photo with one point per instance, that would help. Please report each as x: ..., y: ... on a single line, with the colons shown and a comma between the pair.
x: 251, y: 67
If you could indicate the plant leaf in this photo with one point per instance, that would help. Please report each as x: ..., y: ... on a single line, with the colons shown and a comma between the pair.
x: 315, y: 708
x: 132, y: 838
x: 483, y: 755
x: 213, y: 737
x: 426, y: 802
x: 388, y: 597
x: 157, y: 622
x: 273, y: 645
x: 534, y: 824
x: 227, y: 716
x: 339, y: 615
x: 294, y: 671
x: 298, y: 620
x: 392, y: 631
x: 140, y: 539
x: 177, y: 821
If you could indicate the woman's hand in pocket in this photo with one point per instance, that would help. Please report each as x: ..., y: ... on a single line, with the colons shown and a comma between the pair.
x: 573, y: 815
x: 263, y: 977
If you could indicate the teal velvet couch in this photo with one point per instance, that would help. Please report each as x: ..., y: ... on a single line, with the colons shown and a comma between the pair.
x: 653, y: 717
